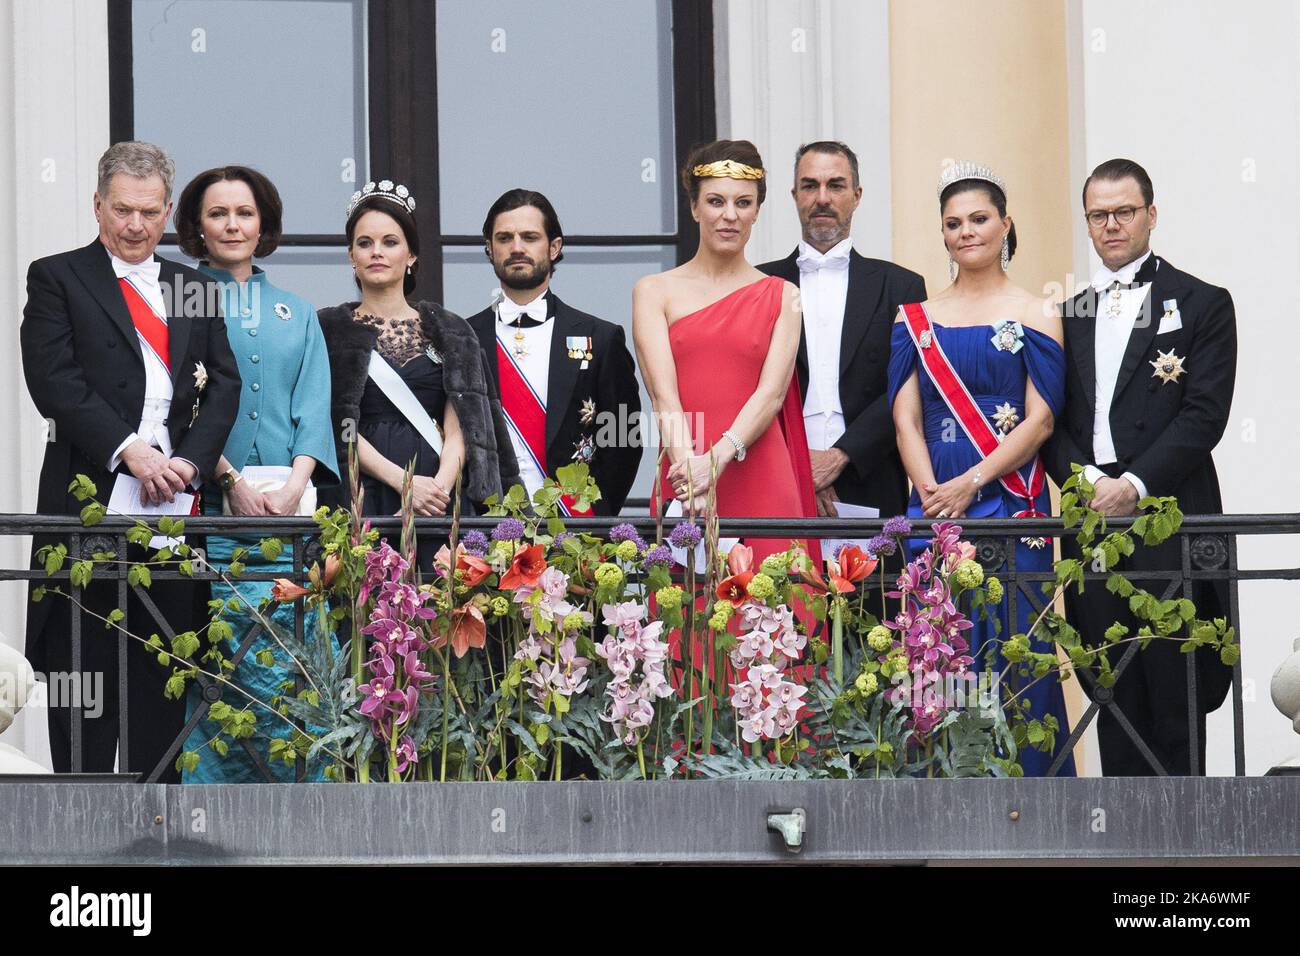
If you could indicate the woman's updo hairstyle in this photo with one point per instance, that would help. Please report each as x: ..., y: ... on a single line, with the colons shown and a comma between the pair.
x: 996, y: 196
x: 740, y: 151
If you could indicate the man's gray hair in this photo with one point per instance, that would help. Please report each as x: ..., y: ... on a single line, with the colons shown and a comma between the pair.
x: 138, y: 159
x: 831, y: 146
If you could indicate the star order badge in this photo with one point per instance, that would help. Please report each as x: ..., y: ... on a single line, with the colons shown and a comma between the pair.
x: 432, y: 354
x: 1005, y: 417
x: 926, y: 338
x: 584, y: 449
x: 1168, y: 366
x: 588, y: 413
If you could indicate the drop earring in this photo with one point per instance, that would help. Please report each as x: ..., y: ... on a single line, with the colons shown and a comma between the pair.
x: 952, y: 270
x: 1006, y: 254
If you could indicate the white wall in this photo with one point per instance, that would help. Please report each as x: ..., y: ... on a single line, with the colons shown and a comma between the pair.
x: 54, y: 96
x: 1206, y: 96
x: 792, y: 72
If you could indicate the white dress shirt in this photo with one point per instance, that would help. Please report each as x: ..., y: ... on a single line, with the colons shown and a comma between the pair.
x: 534, y: 364
x: 143, y: 276
x: 1112, y: 335
x: 823, y: 291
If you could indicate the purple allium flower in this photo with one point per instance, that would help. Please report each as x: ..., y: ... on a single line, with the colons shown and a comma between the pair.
x: 658, y: 555
x: 685, y: 536
x: 881, y: 546
x: 475, y: 542
x: 510, y: 529
x: 898, y: 525
x: 625, y: 532
x: 562, y: 537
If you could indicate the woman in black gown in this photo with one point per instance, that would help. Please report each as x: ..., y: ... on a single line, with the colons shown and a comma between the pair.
x: 408, y: 375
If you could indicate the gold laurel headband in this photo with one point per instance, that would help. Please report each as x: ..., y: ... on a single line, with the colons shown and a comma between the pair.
x: 727, y: 169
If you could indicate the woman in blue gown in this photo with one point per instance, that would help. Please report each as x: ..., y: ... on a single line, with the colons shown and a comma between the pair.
x: 1004, y: 346
x: 225, y: 217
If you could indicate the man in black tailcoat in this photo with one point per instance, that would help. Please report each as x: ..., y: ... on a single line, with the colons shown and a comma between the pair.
x: 126, y: 356
x: 849, y: 304
x: 567, y: 381
x: 1151, y: 355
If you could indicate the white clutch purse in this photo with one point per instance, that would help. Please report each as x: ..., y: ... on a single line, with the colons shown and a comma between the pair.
x: 271, y: 478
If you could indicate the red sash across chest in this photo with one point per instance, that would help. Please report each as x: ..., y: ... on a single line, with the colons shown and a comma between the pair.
x: 527, y: 416
x: 959, y: 401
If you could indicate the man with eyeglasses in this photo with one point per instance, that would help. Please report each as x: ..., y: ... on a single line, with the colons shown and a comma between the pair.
x: 1151, y: 356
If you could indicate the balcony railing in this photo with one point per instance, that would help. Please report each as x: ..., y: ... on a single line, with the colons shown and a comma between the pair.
x: 1208, y: 547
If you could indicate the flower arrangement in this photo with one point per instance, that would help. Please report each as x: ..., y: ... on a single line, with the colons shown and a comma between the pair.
x: 535, y: 652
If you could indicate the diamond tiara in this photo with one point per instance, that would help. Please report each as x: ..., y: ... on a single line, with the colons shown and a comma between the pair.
x: 968, y: 170
x: 384, y: 189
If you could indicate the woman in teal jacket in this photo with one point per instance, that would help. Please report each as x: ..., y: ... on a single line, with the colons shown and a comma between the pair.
x: 279, y: 450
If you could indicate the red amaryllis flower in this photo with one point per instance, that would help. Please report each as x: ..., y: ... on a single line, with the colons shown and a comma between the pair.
x: 525, y: 569
x: 853, y: 566
x: 284, y: 591
x: 473, y: 568
x: 740, y: 562
x: 467, y: 629
x: 736, y: 588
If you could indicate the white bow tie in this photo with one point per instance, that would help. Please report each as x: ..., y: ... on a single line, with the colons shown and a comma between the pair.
x: 510, y: 311
x: 147, y: 270
x: 833, y: 261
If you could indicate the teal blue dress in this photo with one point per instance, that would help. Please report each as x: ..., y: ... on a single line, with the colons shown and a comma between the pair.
x: 284, y: 412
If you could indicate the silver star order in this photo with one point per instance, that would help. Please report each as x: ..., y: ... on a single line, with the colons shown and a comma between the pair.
x: 1005, y: 417
x: 926, y: 338
x: 1168, y: 366
x: 588, y: 413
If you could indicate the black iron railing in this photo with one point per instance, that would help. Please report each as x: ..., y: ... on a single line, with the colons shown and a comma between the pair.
x: 1208, y: 547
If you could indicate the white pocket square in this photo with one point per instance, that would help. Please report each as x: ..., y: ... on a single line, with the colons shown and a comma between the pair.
x: 1170, y: 322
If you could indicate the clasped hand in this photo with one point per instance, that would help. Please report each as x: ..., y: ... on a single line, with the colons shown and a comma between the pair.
x: 161, y: 478
x: 428, y: 497
x: 948, y: 500
x: 690, y: 479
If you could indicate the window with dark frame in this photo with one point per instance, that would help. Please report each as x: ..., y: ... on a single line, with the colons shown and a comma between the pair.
x: 401, y: 81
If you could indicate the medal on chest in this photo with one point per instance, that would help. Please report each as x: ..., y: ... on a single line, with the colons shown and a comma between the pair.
x: 520, y: 344
x: 1114, y: 301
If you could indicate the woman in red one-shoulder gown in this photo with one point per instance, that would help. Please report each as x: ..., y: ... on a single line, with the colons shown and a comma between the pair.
x: 716, y: 342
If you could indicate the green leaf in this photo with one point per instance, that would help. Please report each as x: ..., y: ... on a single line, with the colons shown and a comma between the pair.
x: 265, y: 657
x: 93, y: 513
x: 1119, y: 585
x: 1116, y: 632
x: 188, y: 761
x: 221, y: 747
x: 236, y: 568
x: 114, y: 617
x: 82, y: 488
x: 1230, y: 654
x: 139, y: 533
x: 80, y: 573
x: 154, y: 641
x: 186, y: 568
x: 185, y: 644
x: 174, y: 689
x: 138, y: 576
x: 54, y: 558
x: 220, y: 630
x: 271, y: 548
